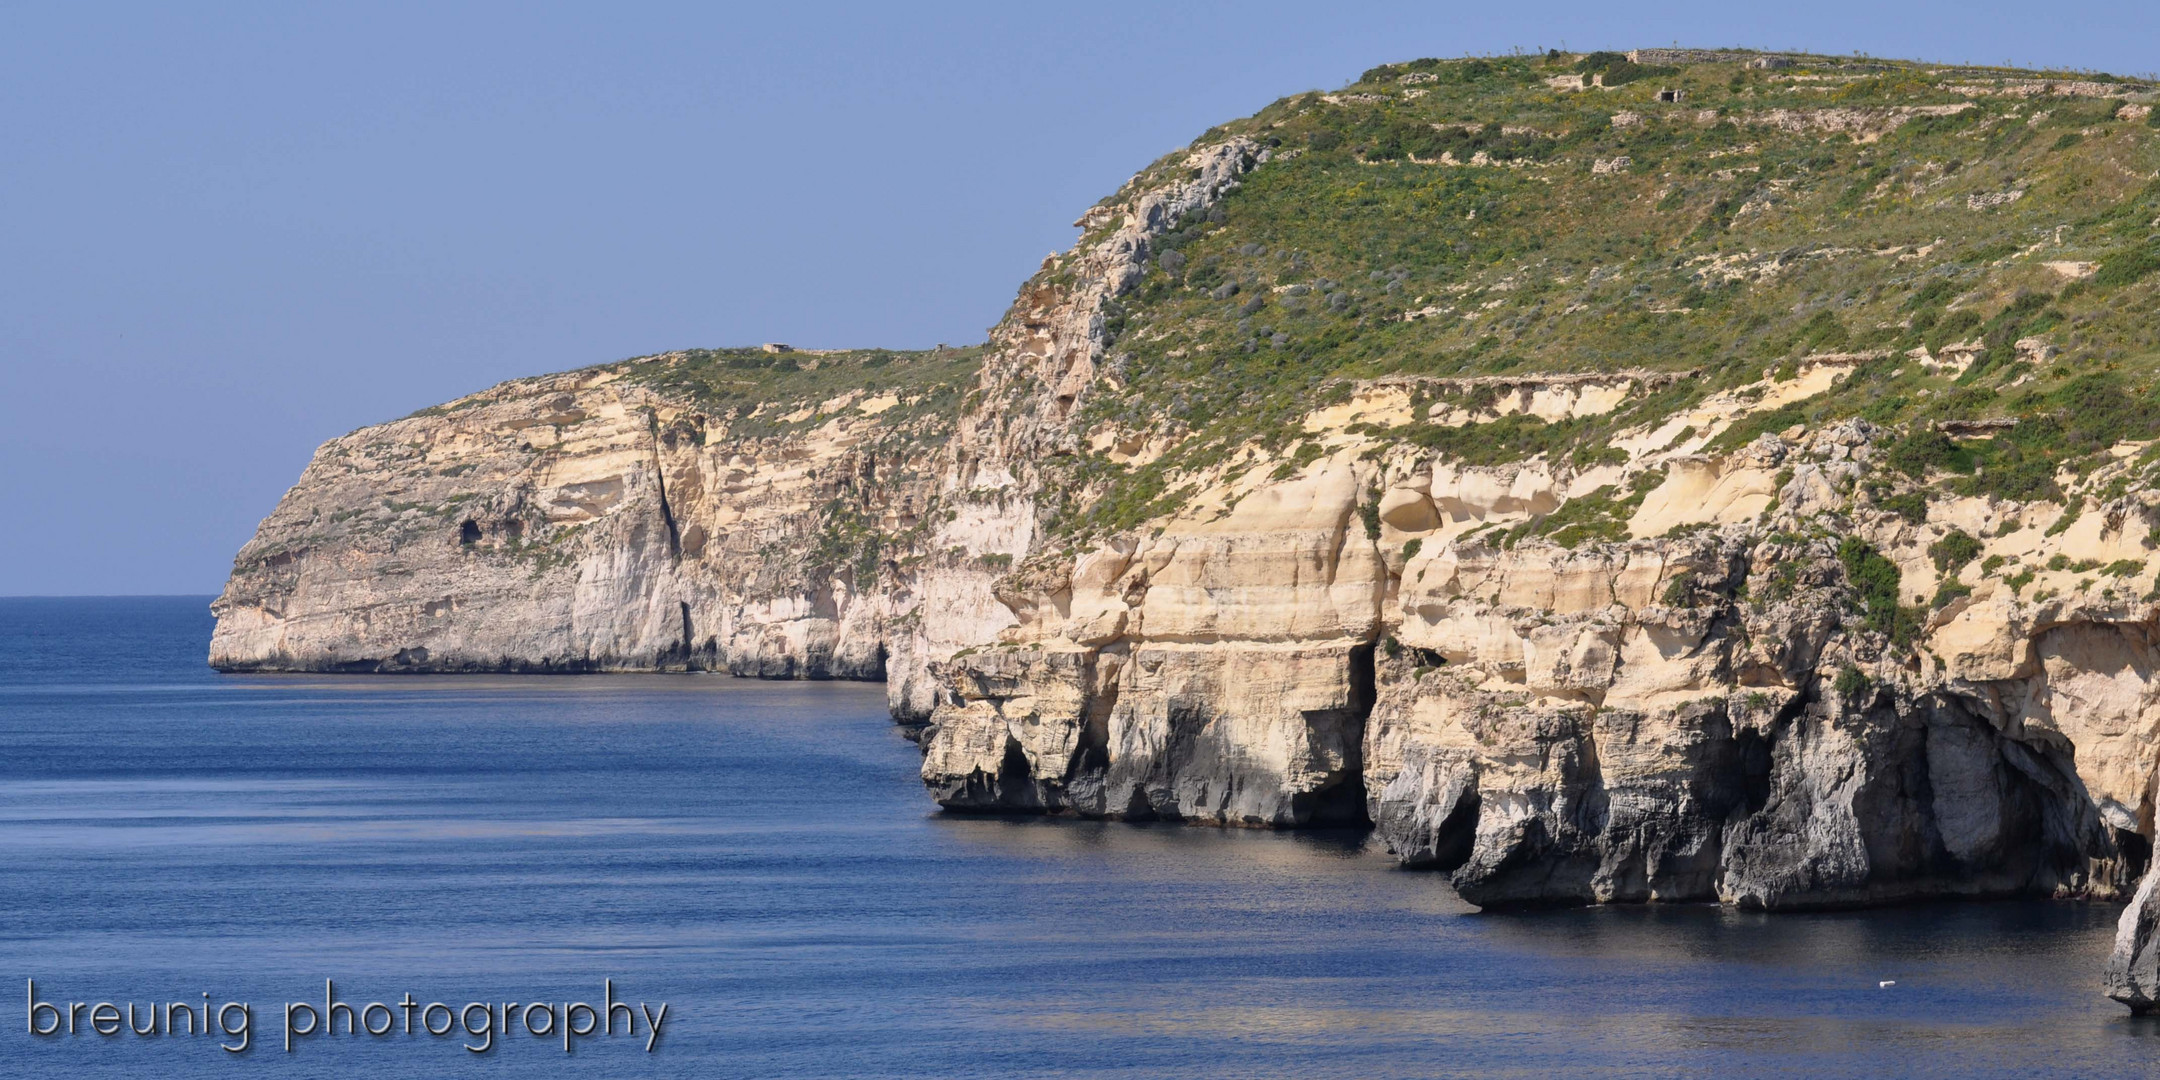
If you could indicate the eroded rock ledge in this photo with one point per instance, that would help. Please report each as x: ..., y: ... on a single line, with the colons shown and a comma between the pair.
x: 590, y: 522
x: 1361, y: 464
x: 1693, y: 717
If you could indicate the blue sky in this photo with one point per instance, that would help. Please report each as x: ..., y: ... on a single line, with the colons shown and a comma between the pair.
x: 231, y: 232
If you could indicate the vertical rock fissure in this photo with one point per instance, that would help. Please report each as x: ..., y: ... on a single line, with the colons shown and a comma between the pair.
x: 667, y: 513
x: 1348, y: 803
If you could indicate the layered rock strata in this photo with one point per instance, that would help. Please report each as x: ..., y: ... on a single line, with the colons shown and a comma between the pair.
x: 585, y: 522
x: 1702, y: 701
x: 1696, y: 717
x: 1700, y: 712
x: 607, y: 520
x: 1040, y: 367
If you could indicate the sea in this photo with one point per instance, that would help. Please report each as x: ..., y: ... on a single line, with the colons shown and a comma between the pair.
x: 760, y: 858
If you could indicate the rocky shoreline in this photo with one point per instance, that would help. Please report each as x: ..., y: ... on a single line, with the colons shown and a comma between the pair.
x: 1727, y: 654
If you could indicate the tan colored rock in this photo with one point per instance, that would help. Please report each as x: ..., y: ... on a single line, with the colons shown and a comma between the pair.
x: 1240, y: 735
x: 1292, y: 562
x: 568, y: 523
x: 1700, y: 491
x: 1479, y: 494
x: 1409, y: 510
x: 1022, y: 731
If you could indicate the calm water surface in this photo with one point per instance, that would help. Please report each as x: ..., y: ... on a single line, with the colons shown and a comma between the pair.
x: 761, y: 857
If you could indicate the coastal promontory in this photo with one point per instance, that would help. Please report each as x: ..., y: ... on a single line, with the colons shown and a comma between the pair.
x: 1613, y: 477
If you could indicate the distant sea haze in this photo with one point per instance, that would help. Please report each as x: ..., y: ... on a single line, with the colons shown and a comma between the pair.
x: 759, y: 856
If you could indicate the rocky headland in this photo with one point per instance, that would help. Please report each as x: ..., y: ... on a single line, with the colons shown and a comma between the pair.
x: 1665, y: 476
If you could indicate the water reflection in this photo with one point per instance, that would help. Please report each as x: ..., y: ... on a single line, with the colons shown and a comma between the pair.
x: 762, y: 856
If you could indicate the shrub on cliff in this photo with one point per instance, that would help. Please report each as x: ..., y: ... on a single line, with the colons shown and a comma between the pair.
x: 1617, y: 70
x: 1875, y: 580
x: 1851, y: 682
x: 2129, y: 266
x: 1928, y: 450
x: 1953, y: 551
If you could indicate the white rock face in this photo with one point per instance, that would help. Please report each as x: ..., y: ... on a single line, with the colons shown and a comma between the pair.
x: 1606, y: 724
x: 578, y: 523
x: 1232, y: 689
x: 1624, y: 735
x: 571, y: 523
x: 1689, y: 698
x: 2133, y: 968
x: 1252, y: 735
x: 1696, y: 714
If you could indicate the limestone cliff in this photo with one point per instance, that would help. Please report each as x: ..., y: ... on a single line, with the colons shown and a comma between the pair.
x: 1704, y: 713
x: 609, y: 519
x: 1855, y: 621
x: 1612, y: 482
x: 1039, y: 368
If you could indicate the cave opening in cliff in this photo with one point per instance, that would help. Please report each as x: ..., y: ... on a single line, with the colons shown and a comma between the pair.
x: 1014, y: 775
x: 469, y: 533
x: 2135, y: 852
x: 1755, y: 764
x: 1342, y: 803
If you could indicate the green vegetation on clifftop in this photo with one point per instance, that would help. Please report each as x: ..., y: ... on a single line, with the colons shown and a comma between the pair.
x: 1483, y: 217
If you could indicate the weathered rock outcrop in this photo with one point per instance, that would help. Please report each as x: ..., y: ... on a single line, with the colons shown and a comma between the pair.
x: 1619, y: 727
x: 1688, y: 718
x: 588, y: 522
x: 1244, y: 520
x: 2133, y: 968
x: 1039, y: 368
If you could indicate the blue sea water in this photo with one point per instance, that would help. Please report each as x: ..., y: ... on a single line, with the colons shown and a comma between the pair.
x: 760, y: 857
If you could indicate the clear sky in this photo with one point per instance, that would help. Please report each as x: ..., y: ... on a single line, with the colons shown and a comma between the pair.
x: 229, y: 232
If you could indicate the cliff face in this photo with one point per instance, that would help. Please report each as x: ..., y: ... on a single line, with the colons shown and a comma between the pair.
x: 1814, y: 630
x: 1700, y: 714
x: 1040, y: 366
x: 1612, y: 499
x: 637, y: 516
x: 596, y: 521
